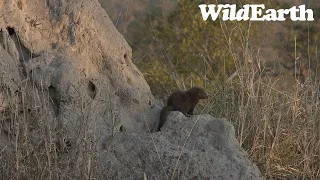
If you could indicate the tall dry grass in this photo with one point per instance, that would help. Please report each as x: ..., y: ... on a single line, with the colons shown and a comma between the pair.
x: 278, y: 127
x: 276, y: 117
x: 34, y: 145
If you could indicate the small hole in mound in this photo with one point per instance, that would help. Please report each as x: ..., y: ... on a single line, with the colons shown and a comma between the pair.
x: 122, y: 129
x: 24, y: 53
x: 91, y: 90
x: 10, y: 31
x: 127, y: 59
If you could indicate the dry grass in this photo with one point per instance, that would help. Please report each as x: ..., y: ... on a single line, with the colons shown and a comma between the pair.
x: 35, y: 147
x: 276, y: 118
x: 279, y: 128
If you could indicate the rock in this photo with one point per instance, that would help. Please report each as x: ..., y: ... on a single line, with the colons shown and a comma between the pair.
x: 200, y: 147
x: 71, y: 96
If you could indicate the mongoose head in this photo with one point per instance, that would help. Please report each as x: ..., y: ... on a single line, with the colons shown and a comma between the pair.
x: 197, y: 92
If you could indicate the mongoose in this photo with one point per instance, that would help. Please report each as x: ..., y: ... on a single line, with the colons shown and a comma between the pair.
x: 183, y: 101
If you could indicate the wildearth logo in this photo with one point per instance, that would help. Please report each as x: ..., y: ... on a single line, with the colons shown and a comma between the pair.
x: 254, y: 12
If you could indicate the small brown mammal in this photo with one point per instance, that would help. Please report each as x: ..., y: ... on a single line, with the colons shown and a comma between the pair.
x: 183, y: 101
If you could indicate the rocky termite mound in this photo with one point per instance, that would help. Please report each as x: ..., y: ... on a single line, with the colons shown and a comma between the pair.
x: 73, y: 51
x: 74, y: 105
x: 200, y: 147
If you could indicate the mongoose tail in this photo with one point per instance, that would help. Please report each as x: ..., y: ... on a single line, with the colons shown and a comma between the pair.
x: 163, y: 115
